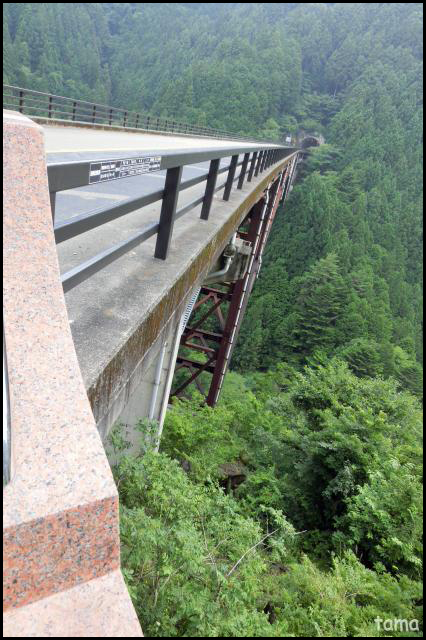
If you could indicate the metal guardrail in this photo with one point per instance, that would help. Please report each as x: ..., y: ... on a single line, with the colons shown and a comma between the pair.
x: 46, y: 105
x: 69, y: 175
x: 7, y: 442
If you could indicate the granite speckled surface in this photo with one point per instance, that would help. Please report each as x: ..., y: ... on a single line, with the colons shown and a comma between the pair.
x: 60, y: 510
x: 102, y: 613
x: 67, y: 551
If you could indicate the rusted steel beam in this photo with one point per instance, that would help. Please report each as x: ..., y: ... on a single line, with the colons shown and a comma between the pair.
x: 203, y: 366
x: 209, y: 335
x: 199, y: 347
x: 217, y: 301
x: 199, y: 368
x: 217, y: 292
x: 257, y: 221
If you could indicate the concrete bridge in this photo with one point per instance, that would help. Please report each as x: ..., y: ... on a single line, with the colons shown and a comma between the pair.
x: 113, y: 236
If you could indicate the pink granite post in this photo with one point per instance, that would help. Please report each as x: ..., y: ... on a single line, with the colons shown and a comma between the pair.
x: 60, y: 529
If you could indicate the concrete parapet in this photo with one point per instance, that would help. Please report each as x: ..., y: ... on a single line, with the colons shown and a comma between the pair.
x: 60, y: 526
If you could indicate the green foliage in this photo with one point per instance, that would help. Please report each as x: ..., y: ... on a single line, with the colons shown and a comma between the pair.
x: 358, y: 196
x: 351, y: 434
x: 408, y: 371
x: 363, y: 357
x: 343, y: 602
x: 333, y: 470
x: 319, y: 307
x: 315, y: 445
x: 201, y: 435
x: 191, y: 559
x: 384, y: 518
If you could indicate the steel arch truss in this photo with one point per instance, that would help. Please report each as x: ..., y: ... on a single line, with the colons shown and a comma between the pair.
x: 229, y: 302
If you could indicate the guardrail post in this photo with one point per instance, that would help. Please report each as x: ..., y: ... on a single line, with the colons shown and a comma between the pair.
x: 252, y: 167
x: 110, y: 117
x: 268, y: 155
x: 21, y: 101
x: 265, y: 162
x: 74, y: 107
x: 137, y: 121
x: 243, y: 171
x: 147, y: 122
x: 210, y: 187
x: 49, y: 111
x: 231, y: 176
x: 259, y: 162
x: 125, y: 119
x: 94, y: 114
x: 168, y: 210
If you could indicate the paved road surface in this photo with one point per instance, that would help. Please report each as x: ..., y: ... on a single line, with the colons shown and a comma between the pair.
x: 74, y: 143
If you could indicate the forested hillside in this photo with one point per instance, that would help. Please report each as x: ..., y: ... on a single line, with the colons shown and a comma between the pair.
x: 293, y: 509
x: 350, y: 71
x: 344, y: 264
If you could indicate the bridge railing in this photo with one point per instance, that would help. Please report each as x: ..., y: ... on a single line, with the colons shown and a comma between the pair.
x: 50, y: 106
x: 71, y: 175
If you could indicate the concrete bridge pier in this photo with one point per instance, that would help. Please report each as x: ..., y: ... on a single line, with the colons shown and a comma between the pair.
x: 149, y: 399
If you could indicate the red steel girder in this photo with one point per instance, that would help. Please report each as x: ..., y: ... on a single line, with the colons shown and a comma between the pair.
x: 259, y: 219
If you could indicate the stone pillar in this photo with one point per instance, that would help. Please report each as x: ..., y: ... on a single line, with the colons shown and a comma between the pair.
x: 61, y: 550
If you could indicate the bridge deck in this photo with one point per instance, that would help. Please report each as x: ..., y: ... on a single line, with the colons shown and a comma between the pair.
x: 93, y: 138
x: 108, y: 310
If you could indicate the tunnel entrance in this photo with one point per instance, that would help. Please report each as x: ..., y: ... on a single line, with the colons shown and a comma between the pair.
x: 310, y: 141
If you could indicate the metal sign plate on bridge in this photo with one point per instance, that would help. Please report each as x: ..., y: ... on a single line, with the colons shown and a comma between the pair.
x: 125, y: 168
